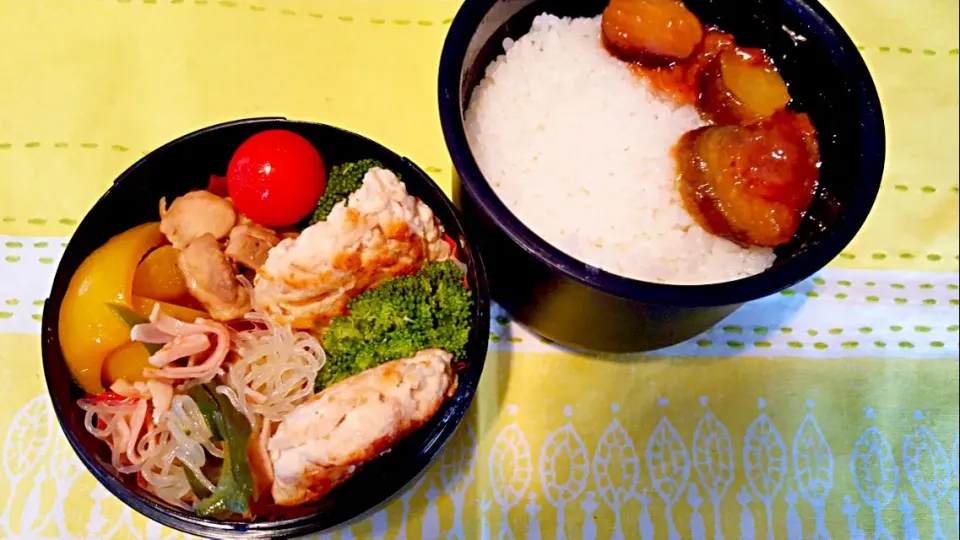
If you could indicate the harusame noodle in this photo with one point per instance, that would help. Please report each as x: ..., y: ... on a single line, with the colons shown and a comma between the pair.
x: 271, y: 366
x: 274, y: 370
x: 197, y: 415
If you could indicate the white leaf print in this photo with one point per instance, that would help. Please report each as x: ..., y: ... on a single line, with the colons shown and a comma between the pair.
x: 589, y: 505
x: 697, y: 528
x: 405, y: 499
x: 853, y: 529
x: 430, y: 520
x: 813, y: 467
x: 511, y: 472
x: 510, y: 467
x: 646, y: 524
x: 96, y: 521
x: 794, y: 524
x: 154, y: 530
x: 927, y: 468
x: 955, y: 459
x: 875, y: 474
x: 458, y: 463
x: 906, y: 512
x: 616, y: 470
x: 533, y: 519
x: 812, y: 461
x: 669, y: 466
x: 65, y: 468
x: 765, y: 463
x: 24, y: 446
x: 713, y: 461
x: 31, y: 509
x: 748, y: 529
x: 563, y: 443
x: 485, y: 505
x: 955, y: 494
x: 457, y: 470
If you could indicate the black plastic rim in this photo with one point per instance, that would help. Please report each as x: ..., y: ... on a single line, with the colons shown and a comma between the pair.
x: 732, y: 292
x: 375, y: 496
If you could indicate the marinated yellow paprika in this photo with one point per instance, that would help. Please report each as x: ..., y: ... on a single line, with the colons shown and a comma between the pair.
x: 158, y: 276
x: 144, y: 306
x: 126, y: 362
x: 89, y: 328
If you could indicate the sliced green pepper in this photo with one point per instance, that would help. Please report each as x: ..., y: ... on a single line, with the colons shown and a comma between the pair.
x: 131, y: 319
x: 196, y: 485
x: 235, y: 486
x: 209, y: 409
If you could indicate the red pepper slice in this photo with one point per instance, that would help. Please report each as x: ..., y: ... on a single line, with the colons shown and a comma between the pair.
x: 453, y: 249
x: 451, y: 243
x: 217, y: 185
x: 108, y: 396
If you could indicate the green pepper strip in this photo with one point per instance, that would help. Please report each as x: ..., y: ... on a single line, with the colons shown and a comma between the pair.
x: 131, y: 319
x: 209, y: 409
x: 235, y: 486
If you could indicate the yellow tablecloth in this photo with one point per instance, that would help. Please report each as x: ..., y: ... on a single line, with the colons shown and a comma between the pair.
x: 796, y: 418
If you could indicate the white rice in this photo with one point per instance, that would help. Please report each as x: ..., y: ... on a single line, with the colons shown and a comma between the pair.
x: 579, y: 150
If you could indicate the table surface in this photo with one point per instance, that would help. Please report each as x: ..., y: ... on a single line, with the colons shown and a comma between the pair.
x: 830, y: 408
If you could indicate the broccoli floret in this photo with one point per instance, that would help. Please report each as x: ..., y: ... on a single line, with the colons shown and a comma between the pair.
x: 404, y: 315
x: 341, y: 182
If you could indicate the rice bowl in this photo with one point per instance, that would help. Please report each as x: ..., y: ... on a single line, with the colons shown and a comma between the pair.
x: 573, y: 303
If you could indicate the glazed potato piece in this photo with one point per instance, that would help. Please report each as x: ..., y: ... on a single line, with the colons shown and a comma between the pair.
x: 380, y: 232
x: 195, y: 214
x: 750, y: 184
x: 249, y: 244
x: 652, y: 32
x: 741, y: 86
x: 212, y: 280
x: 320, y: 444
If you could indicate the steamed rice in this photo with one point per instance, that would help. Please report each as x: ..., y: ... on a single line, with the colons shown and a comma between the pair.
x: 579, y: 150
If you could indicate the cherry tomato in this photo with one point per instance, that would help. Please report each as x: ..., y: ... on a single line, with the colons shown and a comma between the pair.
x: 276, y: 178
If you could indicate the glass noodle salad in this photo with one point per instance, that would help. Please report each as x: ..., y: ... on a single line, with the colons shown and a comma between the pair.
x: 229, y: 347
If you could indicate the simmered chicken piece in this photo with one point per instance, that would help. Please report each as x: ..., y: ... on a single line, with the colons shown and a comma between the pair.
x: 212, y: 280
x: 750, y: 184
x: 195, y: 214
x: 381, y: 232
x: 320, y: 444
x: 249, y: 244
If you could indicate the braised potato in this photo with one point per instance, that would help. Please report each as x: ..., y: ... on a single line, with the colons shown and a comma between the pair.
x: 652, y: 32
x: 741, y: 86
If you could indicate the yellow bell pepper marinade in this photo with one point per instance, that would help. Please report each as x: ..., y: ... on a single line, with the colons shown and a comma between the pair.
x: 89, y: 329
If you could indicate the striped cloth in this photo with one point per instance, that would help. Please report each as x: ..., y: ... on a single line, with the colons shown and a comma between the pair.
x: 828, y: 410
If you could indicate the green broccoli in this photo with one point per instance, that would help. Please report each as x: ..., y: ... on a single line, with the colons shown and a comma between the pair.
x: 404, y: 315
x: 341, y: 182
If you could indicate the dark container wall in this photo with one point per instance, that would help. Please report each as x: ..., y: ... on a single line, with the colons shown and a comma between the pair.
x: 581, y: 306
x: 187, y: 164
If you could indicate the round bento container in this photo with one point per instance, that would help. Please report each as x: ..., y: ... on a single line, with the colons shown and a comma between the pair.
x: 186, y: 164
x: 581, y: 306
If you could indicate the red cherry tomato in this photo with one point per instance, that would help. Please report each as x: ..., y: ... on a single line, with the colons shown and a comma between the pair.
x: 276, y: 178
